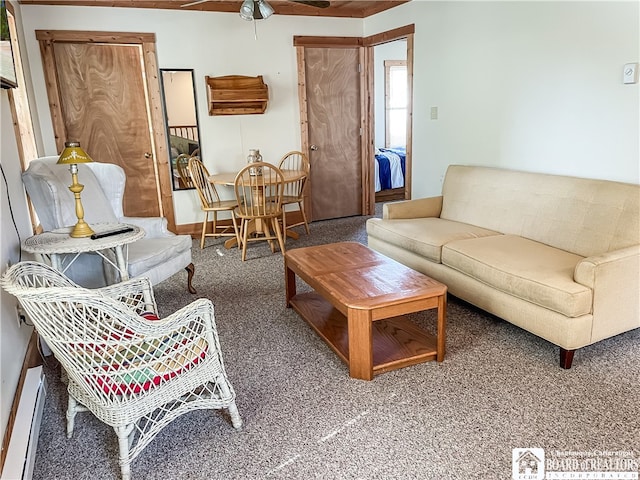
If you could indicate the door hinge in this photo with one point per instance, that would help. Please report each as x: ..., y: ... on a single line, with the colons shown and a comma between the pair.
x: 360, y: 131
x: 359, y: 68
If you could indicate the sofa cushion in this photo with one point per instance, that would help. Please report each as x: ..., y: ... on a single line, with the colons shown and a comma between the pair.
x: 529, y: 270
x: 424, y: 236
x: 147, y: 253
x: 584, y: 216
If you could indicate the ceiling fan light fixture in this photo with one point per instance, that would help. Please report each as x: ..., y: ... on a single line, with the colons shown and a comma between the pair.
x: 246, y: 10
x: 265, y: 9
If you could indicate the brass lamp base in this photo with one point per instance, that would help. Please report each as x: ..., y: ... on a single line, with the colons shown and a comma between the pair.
x: 81, y: 230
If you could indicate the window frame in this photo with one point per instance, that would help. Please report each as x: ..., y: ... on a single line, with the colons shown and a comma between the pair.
x: 388, y: 108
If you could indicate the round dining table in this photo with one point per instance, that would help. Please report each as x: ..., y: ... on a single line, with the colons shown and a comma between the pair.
x: 228, y: 179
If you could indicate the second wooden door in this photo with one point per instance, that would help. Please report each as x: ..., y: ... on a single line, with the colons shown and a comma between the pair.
x: 332, y: 81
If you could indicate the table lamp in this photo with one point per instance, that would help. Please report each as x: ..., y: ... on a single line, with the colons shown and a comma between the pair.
x: 72, y: 155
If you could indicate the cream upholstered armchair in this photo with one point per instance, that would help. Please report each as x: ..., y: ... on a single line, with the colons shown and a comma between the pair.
x: 159, y: 255
x: 133, y: 371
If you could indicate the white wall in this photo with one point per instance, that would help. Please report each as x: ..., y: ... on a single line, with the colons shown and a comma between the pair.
x: 525, y: 85
x: 179, y: 100
x: 212, y: 44
x: 533, y: 86
x: 13, y: 206
x: 13, y: 339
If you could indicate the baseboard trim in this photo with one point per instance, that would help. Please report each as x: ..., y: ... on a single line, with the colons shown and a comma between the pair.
x: 21, y: 454
x: 31, y: 359
x: 195, y: 229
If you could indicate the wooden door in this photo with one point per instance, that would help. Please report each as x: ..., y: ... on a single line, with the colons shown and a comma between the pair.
x: 101, y: 95
x: 332, y: 97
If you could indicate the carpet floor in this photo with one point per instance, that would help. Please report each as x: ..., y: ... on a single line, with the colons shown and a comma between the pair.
x: 499, y: 388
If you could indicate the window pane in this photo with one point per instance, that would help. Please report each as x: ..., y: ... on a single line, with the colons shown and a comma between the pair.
x: 398, y: 127
x: 398, y: 87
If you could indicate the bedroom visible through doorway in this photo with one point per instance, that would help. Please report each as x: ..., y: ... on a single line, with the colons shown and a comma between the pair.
x: 390, y: 98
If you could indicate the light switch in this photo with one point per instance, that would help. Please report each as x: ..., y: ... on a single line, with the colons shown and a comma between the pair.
x: 630, y: 73
x: 434, y: 113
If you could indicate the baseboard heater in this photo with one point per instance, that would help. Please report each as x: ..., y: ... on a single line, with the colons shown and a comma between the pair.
x: 21, y: 453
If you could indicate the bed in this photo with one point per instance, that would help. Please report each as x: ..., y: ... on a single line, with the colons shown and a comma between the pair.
x: 389, y: 168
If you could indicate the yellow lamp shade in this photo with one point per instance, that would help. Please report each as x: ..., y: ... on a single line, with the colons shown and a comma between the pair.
x: 73, y: 153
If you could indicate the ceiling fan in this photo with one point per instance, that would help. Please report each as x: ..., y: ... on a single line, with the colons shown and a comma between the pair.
x: 259, y: 9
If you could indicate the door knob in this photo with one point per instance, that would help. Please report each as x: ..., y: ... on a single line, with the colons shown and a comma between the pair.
x: 313, y: 148
x: 147, y: 155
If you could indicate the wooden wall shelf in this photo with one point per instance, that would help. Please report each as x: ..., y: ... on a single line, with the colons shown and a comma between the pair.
x: 237, y: 95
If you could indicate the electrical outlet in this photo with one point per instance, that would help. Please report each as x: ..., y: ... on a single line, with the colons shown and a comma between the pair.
x: 22, y: 319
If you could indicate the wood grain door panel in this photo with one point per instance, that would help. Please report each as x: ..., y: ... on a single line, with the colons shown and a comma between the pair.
x: 104, y: 107
x: 334, y: 120
x: 103, y: 88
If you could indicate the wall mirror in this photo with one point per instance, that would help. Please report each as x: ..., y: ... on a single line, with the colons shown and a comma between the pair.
x: 181, y: 118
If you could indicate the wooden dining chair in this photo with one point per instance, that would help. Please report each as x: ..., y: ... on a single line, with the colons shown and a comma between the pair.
x: 182, y: 164
x: 210, y: 203
x: 259, y: 187
x: 294, y: 191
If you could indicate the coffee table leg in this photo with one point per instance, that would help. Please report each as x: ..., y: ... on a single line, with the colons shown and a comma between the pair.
x: 442, y: 318
x: 290, y: 284
x: 360, y: 344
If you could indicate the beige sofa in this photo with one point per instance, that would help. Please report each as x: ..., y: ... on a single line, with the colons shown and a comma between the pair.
x: 557, y: 256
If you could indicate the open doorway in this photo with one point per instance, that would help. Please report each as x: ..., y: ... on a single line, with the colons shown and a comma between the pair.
x: 390, y: 120
x: 342, y: 151
x: 390, y: 81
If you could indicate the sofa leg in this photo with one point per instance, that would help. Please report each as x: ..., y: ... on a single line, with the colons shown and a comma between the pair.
x: 566, y: 358
x: 191, y: 269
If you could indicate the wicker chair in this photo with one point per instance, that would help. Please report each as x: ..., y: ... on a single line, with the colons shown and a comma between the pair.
x: 132, y: 371
x: 294, y: 191
x: 210, y: 203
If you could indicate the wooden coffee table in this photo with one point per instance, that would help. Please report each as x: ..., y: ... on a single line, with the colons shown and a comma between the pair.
x: 358, y: 305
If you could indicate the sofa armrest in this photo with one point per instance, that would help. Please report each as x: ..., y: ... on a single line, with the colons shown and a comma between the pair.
x: 418, y: 208
x: 155, y: 227
x: 616, y: 265
x: 615, y: 280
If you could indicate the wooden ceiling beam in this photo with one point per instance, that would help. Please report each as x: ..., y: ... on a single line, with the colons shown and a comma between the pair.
x: 338, y: 8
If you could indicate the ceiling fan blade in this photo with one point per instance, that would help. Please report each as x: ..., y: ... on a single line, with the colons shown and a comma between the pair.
x: 314, y: 3
x: 190, y: 4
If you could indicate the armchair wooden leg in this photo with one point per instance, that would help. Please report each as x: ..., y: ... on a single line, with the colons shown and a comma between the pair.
x: 191, y: 269
x: 566, y: 358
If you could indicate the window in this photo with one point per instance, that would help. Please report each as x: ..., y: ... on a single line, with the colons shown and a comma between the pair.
x: 395, y: 94
x: 19, y: 103
x: 7, y: 68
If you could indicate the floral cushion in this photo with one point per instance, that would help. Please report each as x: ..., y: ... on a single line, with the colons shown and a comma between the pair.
x: 134, y: 366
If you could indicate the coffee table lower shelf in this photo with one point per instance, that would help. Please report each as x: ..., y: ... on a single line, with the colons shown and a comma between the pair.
x: 396, y: 342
